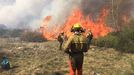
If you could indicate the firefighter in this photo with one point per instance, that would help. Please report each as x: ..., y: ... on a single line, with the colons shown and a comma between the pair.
x: 75, y: 46
x: 89, y: 37
x: 60, y: 40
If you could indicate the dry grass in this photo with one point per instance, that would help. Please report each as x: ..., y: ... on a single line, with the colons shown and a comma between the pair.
x: 46, y: 59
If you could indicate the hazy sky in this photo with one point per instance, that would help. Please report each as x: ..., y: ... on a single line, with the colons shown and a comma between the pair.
x: 30, y: 13
x: 25, y: 13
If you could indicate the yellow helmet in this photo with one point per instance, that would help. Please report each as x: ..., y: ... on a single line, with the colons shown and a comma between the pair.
x: 77, y: 26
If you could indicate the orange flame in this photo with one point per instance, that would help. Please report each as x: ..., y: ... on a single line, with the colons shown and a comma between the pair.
x: 98, y: 28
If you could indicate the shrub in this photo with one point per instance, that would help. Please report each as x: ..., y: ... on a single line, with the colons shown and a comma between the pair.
x: 126, y: 41
x: 30, y: 36
x: 107, y: 41
x: 122, y: 40
x: 11, y: 32
x: 15, y: 32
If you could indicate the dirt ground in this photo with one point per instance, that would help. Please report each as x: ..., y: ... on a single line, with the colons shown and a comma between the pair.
x: 45, y: 59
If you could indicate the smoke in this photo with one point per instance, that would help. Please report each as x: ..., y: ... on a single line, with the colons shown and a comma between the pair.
x: 60, y: 10
x: 131, y: 9
x: 21, y: 12
x: 117, y: 9
x: 120, y: 7
x: 93, y: 6
x: 30, y: 13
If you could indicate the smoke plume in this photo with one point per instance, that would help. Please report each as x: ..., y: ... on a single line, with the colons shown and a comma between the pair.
x: 30, y: 13
x: 117, y: 8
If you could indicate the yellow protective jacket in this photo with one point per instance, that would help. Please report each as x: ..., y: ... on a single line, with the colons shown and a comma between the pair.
x: 76, y: 43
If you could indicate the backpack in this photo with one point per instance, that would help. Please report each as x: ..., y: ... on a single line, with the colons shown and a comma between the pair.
x: 79, y: 44
x: 5, y: 63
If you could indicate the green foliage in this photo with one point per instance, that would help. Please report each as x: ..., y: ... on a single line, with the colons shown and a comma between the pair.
x: 122, y: 40
x: 126, y: 41
x: 30, y: 36
x: 107, y: 41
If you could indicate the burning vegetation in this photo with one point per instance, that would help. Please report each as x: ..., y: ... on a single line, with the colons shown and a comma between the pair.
x: 112, y: 26
x: 98, y: 28
x: 110, y: 21
x: 101, y: 17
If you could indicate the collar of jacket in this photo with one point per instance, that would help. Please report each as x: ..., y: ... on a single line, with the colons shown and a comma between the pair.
x: 77, y: 33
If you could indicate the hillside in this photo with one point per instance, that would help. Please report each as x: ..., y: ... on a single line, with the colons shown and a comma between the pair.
x: 45, y: 59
